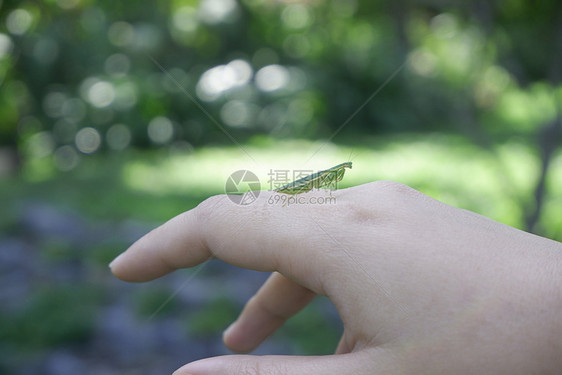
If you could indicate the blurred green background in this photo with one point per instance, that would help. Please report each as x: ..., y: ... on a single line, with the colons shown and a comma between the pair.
x: 116, y: 116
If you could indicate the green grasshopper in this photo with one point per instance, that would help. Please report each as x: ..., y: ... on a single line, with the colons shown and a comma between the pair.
x: 316, y: 180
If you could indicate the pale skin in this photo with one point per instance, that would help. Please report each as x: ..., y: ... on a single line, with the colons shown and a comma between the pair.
x: 421, y: 287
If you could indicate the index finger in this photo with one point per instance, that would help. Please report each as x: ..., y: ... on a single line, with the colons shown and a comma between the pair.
x: 259, y: 236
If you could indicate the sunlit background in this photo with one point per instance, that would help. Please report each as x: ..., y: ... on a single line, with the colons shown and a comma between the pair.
x: 116, y: 116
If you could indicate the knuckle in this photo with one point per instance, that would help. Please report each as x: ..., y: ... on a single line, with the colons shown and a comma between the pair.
x: 390, y: 186
x: 394, y: 190
x: 381, y: 200
x: 207, y: 209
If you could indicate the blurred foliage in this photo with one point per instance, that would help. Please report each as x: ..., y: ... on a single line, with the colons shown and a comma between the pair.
x: 310, y: 331
x: 52, y: 316
x: 214, y: 318
x: 81, y: 76
x: 151, y: 300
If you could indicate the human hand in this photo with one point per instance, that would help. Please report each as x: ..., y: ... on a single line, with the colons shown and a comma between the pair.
x: 421, y: 287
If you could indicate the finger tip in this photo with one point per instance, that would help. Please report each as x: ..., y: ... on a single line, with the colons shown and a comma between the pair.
x: 123, y: 268
x: 228, y: 340
x: 136, y: 264
x: 235, y: 342
x: 115, y: 266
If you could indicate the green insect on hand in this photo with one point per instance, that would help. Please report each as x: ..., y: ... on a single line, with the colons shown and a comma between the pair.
x: 328, y: 177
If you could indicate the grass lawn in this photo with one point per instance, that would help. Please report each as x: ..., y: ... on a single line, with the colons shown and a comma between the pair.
x: 156, y: 185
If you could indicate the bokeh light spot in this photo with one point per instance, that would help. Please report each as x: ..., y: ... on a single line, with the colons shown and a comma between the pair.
x: 184, y: 19
x: 40, y: 145
x: 237, y: 113
x: 272, y: 78
x: 216, y: 11
x: 101, y: 94
x: 296, y: 16
x: 6, y: 45
x: 117, y: 64
x: 66, y: 158
x: 222, y: 78
x: 121, y: 33
x: 160, y: 130
x: 87, y: 140
x: 19, y: 21
x: 444, y: 25
x: 493, y: 83
x: 422, y: 62
x: 118, y: 137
